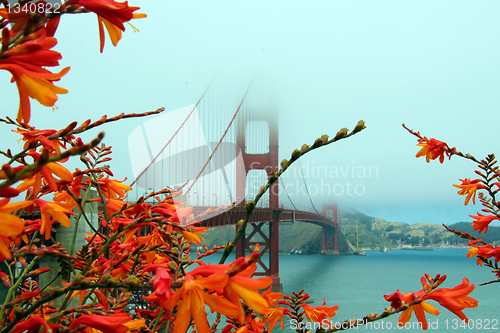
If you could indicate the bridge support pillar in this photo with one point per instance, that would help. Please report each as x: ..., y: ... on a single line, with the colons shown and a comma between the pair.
x: 330, y: 235
x: 330, y: 244
x: 267, y: 161
x: 256, y: 235
x: 274, y: 265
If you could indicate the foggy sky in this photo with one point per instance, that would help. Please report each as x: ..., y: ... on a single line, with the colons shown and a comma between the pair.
x: 325, y: 65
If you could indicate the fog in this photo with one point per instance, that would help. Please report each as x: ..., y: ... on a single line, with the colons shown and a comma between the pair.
x: 321, y: 66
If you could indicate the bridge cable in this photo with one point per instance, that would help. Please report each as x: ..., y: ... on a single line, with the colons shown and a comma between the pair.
x: 161, y: 151
x: 284, y: 187
x: 307, y: 190
x: 222, y: 138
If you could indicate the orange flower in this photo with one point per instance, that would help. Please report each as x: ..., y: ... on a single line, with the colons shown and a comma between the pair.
x: 274, y: 312
x: 193, y: 299
x: 192, y: 234
x: 474, y: 252
x: 273, y: 315
x: 469, y: 188
x: 112, y: 14
x: 455, y: 299
x: 485, y: 251
x: 242, y: 286
x: 107, y: 324
x: 26, y: 62
x: 174, y: 211
x: 31, y: 325
x: 112, y: 188
x: 397, y: 300
x: 35, y: 136
x: 432, y: 149
x: 46, y: 171
x: 65, y: 200
x: 8, y: 192
x: 252, y: 324
x: 50, y: 209
x: 12, y: 225
x: 319, y: 314
x: 240, y: 283
x: 482, y: 222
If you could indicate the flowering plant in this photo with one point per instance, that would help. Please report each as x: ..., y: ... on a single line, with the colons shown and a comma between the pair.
x: 136, y: 271
x: 488, y: 185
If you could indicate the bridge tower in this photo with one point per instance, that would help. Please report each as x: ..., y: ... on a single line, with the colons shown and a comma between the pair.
x: 268, y: 162
x: 330, y: 235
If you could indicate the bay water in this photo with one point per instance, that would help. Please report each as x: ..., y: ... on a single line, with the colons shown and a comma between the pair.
x: 357, y: 285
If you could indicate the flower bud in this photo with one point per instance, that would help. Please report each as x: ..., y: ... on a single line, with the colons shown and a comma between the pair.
x: 19, y: 312
x: 85, y: 283
x: 359, y: 127
x: 342, y: 133
x: 133, y: 281
x: 250, y: 205
x: 172, y: 266
x: 284, y: 163
x: 112, y: 282
x: 105, y: 278
x: 295, y: 155
x: 5, y: 38
x: 318, y: 143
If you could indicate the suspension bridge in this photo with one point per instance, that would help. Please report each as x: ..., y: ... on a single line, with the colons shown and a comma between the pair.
x: 221, y: 152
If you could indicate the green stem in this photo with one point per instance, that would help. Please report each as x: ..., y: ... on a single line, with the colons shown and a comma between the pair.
x: 13, y: 289
x: 77, y: 220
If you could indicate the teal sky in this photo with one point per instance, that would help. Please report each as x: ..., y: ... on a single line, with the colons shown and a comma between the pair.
x: 324, y: 65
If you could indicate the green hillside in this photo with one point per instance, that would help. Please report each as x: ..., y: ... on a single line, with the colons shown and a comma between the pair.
x: 372, y: 233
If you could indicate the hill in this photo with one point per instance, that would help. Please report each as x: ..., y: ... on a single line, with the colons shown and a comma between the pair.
x: 372, y: 233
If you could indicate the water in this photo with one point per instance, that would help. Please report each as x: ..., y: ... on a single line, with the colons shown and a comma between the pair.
x: 357, y: 285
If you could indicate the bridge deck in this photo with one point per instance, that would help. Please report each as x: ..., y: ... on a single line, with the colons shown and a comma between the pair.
x: 232, y: 216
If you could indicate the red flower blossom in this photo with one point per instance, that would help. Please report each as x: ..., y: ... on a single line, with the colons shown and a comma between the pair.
x: 455, y: 299
x: 30, y: 325
x: 482, y: 222
x: 46, y: 171
x: 111, y: 14
x: 114, y: 323
x: 35, y: 136
x: 469, y: 188
x: 319, y: 314
x: 162, y: 284
x: 484, y: 251
x: 193, y: 298
x: 58, y: 213
x: 397, y: 299
x: 26, y: 62
x: 12, y: 225
x: 432, y: 149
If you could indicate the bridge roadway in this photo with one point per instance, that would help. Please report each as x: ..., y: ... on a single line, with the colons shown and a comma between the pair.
x: 260, y: 215
x: 269, y: 241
